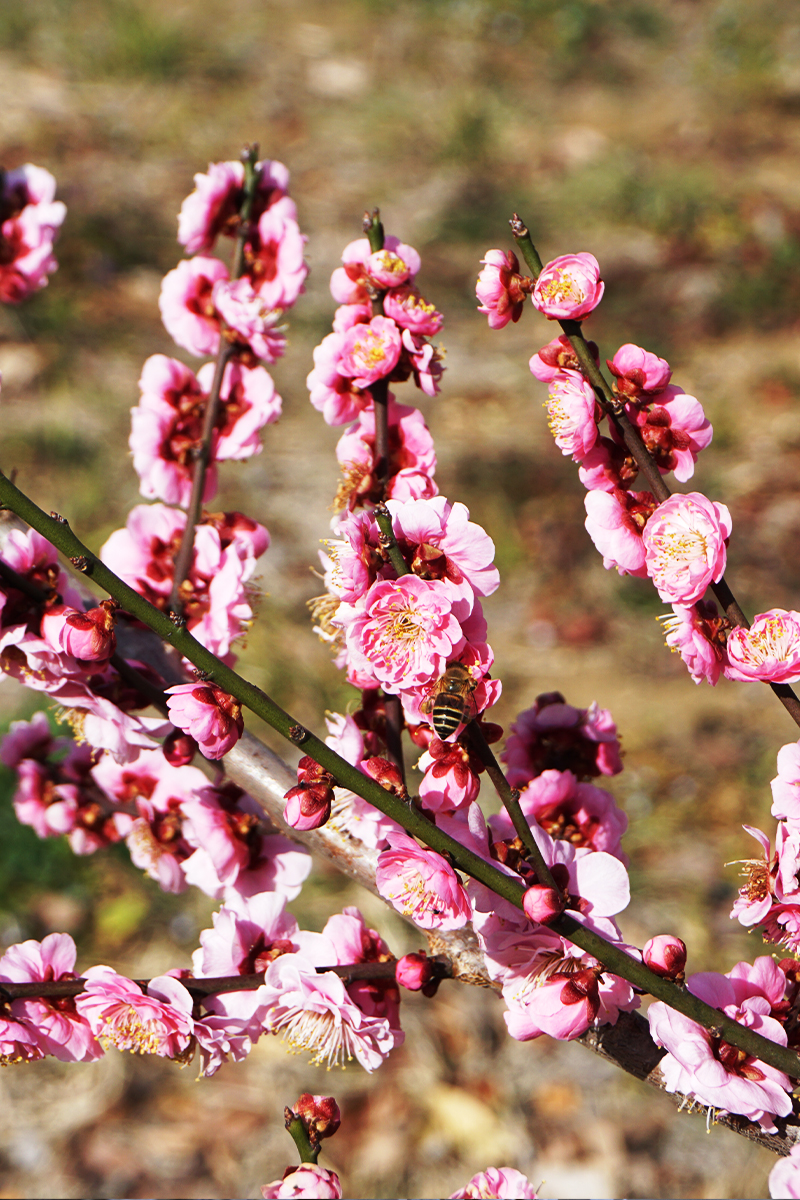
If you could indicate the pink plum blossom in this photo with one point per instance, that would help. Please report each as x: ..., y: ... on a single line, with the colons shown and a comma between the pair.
x: 674, y: 430
x: 354, y: 942
x: 88, y: 636
x: 57, y: 1026
x: 18, y: 1042
x: 607, y: 467
x: 569, y: 287
x: 422, y: 885
x: 397, y: 263
x: 275, y: 259
x: 166, y: 428
x: 29, y: 739
x: 451, y: 777
x: 122, y: 1015
x: 208, y: 714
x: 571, y: 414
x: 247, y: 402
x: 333, y: 394
x: 213, y: 207
x: 580, y: 813
x: 557, y: 356
x: 404, y: 632
x: 785, y: 785
x: 412, y: 459
x: 29, y: 223
x: 247, y: 316
x: 305, y: 1182
x: 386, y: 269
x: 703, y: 1066
x: 186, y: 304
x: 768, y: 651
x: 554, y: 735
x: 665, y: 955
x: 614, y: 522
x: 497, y: 1183
x: 370, y: 352
x: 501, y: 289
x: 696, y: 632
x: 409, y: 310
x: 414, y: 971
x: 424, y: 361
x: 784, y: 1178
x: 685, y: 546
x: 638, y: 370
x: 313, y: 1012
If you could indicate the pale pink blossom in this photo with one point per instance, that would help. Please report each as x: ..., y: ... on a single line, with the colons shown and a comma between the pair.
x: 404, y: 632
x: 387, y: 269
x: 757, y: 896
x: 685, y: 545
x: 57, y: 1026
x: 348, y: 315
x: 710, y: 1070
x: 607, y: 466
x: 696, y: 633
x: 186, y: 304
x: 497, y: 1183
x: 370, y: 352
x: 354, y: 942
x: 424, y: 360
x: 29, y: 223
x: 784, y: 1178
x: 248, y: 317
x: 275, y: 261
x: 409, y: 310
x: 638, y: 370
x: 122, y: 1015
x: 768, y: 651
x: 208, y: 714
x: 614, y: 522
x: 421, y: 885
x: 554, y: 735
x: 674, y: 430
x: 18, y: 1042
x: 305, y: 1182
x: 785, y: 785
x: 569, y: 287
x: 313, y: 1012
x: 30, y: 739
x: 451, y: 777
x: 501, y: 289
x: 571, y: 414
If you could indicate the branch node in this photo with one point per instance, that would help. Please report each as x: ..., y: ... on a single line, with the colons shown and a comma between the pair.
x: 177, y: 619
x: 57, y: 517
x: 80, y: 562
x: 298, y: 734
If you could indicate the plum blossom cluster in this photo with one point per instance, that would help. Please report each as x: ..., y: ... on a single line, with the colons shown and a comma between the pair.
x: 30, y: 219
x: 312, y: 1009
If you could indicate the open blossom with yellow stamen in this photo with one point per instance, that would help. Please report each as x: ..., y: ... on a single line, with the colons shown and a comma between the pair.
x: 120, y: 1014
x: 370, y: 352
x: 768, y: 651
x: 313, y: 1012
x: 569, y: 287
x: 685, y: 546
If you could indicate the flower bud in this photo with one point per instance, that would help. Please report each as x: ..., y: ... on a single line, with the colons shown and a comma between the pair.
x: 178, y: 748
x: 414, y: 971
x: 308, y: 807
x: 665, y: 955
x: 88, y: 636
x: 387, y: 774
x: 542, y: 903
x: 319, y: 1114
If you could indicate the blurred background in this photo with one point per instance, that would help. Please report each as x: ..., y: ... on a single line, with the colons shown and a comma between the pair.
x: 664, y: 138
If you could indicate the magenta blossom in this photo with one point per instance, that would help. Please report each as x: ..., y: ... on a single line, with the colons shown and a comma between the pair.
x: 571, y: 408
x: 412, y: 459
x: 275, y: 255
x: 638, y: 370
x: 29, y: 223
x: 306, y: 1182
x: 665, y: 954
x: 213, y: 207
x: 708, y: 1068
x: 122, y: 1015
x: 187, y: 307
x: 580, y: 813
x: 501, y: 289
x: 554, y: 735
x: 769, y: 651
x: 569, y: 287
x: 696, y: 632
x: 421, y: 885
x: 685, y: 546
x: 497, y: 1183
x: 208, y: 714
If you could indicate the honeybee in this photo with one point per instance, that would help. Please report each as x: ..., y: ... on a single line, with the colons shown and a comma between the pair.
x: 450, y: 701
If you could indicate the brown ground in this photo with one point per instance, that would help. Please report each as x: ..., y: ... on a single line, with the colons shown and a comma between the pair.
x: 661, y: 136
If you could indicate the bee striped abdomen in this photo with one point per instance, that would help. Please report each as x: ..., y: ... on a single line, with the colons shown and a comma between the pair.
x: 447, y: 714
